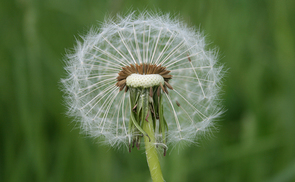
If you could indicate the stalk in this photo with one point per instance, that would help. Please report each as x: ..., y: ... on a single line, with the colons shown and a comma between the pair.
x: 151, y: 151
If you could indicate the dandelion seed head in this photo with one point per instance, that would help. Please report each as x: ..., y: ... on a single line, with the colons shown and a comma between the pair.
x: 147, y: 51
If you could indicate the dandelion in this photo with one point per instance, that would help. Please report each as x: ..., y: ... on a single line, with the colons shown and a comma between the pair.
x: 144, y: 76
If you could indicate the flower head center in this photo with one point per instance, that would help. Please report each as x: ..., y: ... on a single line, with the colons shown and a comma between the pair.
x: 144, y: 81
x: 144, y: 76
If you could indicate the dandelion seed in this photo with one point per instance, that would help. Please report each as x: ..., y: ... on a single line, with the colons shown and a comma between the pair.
x: 139, y: 69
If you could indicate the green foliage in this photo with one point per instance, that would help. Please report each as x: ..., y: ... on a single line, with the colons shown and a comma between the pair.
x: 256, y: 138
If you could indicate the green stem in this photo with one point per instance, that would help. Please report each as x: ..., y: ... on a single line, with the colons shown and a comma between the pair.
x: 151, y: 151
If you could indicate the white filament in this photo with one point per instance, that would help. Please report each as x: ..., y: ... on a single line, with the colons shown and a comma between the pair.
x: 144, y: 81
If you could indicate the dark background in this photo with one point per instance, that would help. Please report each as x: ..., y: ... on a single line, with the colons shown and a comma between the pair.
x: 256, y: 138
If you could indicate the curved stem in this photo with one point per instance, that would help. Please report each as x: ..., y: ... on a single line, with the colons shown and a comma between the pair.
x: 151, y: 151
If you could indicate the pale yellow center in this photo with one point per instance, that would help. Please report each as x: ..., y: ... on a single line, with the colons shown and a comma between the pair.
x: 144, y: 81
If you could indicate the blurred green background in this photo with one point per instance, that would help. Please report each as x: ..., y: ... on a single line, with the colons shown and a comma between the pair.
x: 256, y: 138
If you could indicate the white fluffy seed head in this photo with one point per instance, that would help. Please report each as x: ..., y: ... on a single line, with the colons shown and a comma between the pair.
x: 148, y: 38
x: 144, y: 81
